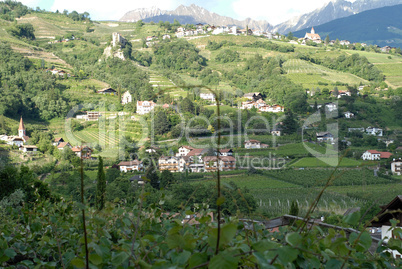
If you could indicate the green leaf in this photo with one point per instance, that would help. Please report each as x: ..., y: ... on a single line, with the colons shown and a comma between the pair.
x: 95, y: 259
x: 352, y: 219
x: 293, y: 239
x: 119, y: 258
x: 223, y: 261
x: 227, y: 233
x: 197, y: 259
x: 143, y: 264
x: 263, y: 262
x: 220, y: 200
x: 365, y: 240
x: 10, y: 253
x: 287, y: 254
x: 174, y: 241
x: 265, y: 245
x: 183, y: 257
x: 77, y: 262
x: 333, y: 264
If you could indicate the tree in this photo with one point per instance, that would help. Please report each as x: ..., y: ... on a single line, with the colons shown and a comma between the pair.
x: 294, y: 209
x: 152, y: 176
x: 100, y: 186
x: 161, y: 123
x: 167, y: 179
x: 290, y: 36
x: 289, y: 123
x: 327, y: 40
x: 187, y: 105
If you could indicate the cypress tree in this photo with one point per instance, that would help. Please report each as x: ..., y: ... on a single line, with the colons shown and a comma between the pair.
x: 100, y: 186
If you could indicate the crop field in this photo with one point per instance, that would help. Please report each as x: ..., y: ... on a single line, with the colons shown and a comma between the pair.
x: 319, y: 177
x: 312, y: 75
x: 392, y: 72
x: 315, y: 162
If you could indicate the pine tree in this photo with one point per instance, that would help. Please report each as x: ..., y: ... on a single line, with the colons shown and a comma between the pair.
x: 289, y: 123
x: 294, y: 209
x: 161, y: 123
x: 327, y: 40
x: 152, y: 176
x: 100, y: 186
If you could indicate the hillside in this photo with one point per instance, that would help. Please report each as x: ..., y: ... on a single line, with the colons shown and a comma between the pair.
x: 381, y: 26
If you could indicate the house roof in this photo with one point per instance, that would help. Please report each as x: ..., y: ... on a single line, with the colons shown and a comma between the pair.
x: 195, y: 152
x: 251, y: 94
x: 324, y: 134
x: 137, y: 178
x: 226, y: 150
x: 62, y: 145
x: 29, y: 146
x: 78, y: 148
x: 106, y: 90
x: 187, y: 147
x: 140, y: 103
x: 372, y: 151
x: 17, y: 139
x: 21, y: 127
x: 222, y: 158
x: 385, y: 155
x: 57, y: 139
x: 383, y: 216
x: 130, y: 163
x: 252, y: 141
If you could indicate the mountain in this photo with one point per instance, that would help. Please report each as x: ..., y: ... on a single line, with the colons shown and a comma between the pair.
x: 335, y: 9
x: 192, y: 14
x: 381, y: 26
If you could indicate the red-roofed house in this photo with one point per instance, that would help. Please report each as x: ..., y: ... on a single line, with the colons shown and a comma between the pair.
x: 313, y: 36
x: 144, y: 107
x: 64, y: 145
x: 225, y: 163
x: 129, y: 166
x: 184, y: 150
x: 254, y: 144
x: 373, y: 155
x: 57, y: 141
x: 84, y: 152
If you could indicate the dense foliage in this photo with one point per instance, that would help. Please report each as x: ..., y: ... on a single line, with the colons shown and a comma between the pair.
x: 178, y: 55
x: 26, y: 90
x: 23, y: 30
x: 270, y: 46
x: 355, y: 64
x: 10, y: 10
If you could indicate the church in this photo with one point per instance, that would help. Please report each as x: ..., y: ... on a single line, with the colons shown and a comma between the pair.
x: 19, y: 139
x: 313, y: 36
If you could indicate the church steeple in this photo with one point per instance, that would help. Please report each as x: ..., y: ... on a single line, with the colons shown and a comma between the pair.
x: 21, y: 129
x: 312, y: 30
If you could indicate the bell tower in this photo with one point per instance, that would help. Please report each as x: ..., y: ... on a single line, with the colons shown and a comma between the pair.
x: 21, y: 129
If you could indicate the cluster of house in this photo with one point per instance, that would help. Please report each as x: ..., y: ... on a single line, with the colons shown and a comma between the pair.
x: 81, y: 151
x: 56, y: 72
x: 216, y: 30
x: 257, y: 102
x: 19, y: 140
x: 188, y: 159
x: 63, y: 40
x: 374, y: 155
x: 369, y: 130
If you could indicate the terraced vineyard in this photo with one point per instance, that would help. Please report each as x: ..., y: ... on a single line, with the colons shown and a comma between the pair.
x: 313, y: 75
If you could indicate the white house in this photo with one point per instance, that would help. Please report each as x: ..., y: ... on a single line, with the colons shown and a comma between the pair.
x: 226, y: 152
x: 371, y: 155
x: 254, y: 144
x: 170, y: 163
x: 396, y: 167
x: 184, y: 151
x: 130, y: 166
x: 208, y: 96
x: 273, y: 108
x: 64, y: 145
x: 126, y: 98
x: 324, y: 137
x: 374, y: 131
x: 331, y: 107
x: 349, y: 115
x: 224, y: 163
x: 17, y: 141
x: 382, y: 219
x: 28, y: 148
x: 144, y: 107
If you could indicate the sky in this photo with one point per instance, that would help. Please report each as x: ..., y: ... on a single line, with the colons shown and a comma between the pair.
x: 273, y: 11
